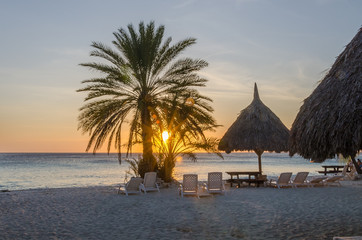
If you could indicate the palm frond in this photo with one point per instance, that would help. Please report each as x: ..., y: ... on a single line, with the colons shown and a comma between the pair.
x: 142, y: 80
x: 107, y: 53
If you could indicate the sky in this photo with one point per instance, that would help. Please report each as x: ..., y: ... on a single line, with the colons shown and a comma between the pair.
x: 285, y: 46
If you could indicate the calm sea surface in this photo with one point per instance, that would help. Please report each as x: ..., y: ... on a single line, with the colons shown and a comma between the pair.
x: 57, y: 170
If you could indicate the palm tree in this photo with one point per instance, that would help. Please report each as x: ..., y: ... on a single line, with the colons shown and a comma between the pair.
x: 136, y: 77
x: 185, y: 116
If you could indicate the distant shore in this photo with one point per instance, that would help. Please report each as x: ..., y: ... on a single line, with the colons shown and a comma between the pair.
x: 246, y: 213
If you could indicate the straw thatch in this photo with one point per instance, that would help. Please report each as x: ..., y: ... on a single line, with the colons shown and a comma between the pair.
x: 257, y: 129
x: 330, y: 120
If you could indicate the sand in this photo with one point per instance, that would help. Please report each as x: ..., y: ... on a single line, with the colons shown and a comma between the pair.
x: 245, y: 213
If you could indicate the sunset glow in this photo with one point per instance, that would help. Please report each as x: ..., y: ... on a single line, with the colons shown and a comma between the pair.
x: 165, y: 136
x: 284, y: 46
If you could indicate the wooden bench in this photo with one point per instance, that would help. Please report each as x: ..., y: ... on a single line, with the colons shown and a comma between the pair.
x: 248, y: 180
x: 240, y: 181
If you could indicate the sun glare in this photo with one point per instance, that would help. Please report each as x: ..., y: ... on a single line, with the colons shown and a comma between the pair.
x: 165, y: 136
x: 190, y: 102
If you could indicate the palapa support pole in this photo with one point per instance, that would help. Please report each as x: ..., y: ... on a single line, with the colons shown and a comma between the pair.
x: 259, y: 153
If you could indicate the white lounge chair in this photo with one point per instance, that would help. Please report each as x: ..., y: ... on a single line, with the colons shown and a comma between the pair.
x: 352, y: 175
x: 214, y: 183
x: 318, y: 181
x: 348, y: 238
x: 189, y: 185
x: 334, y: 180
x: 132, y: 186
x: 344, y: 171
x: 300, y: 179
x: 283, y: 180
x: 149, y: 183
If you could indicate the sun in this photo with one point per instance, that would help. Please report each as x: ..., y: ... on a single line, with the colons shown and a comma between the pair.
x: 165, y: 136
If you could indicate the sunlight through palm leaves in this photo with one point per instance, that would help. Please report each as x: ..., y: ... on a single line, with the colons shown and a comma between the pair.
x: 185, y: 125
x: 138, y: 76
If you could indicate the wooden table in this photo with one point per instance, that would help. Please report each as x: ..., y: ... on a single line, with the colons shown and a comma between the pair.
x: 331, y: 169
x: 252, y: 178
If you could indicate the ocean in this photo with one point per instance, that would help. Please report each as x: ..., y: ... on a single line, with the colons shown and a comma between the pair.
x: 20, y: 171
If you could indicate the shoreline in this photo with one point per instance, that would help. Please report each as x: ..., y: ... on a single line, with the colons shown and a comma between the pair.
x: 246, y: 213
x: 357, y: 182
x: 63, y: 170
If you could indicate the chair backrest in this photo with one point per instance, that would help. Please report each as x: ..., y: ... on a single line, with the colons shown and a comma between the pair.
x: 150, y: 179
x: 353, y: 170
x: 352, y: 174
x: 214, y: 180
x: 134, y: 183
x: 344, y: 171
x: 300, y: 177
x: 190, y: 182
x: 284, y: 178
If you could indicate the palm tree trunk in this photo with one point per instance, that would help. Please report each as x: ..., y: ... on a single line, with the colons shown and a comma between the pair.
x: 148, y: 162
x: 168, y: 169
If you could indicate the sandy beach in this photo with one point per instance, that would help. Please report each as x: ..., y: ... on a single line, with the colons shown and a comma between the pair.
x: 245, y: 213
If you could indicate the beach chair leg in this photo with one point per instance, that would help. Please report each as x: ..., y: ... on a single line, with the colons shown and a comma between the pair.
x: 142, y: 188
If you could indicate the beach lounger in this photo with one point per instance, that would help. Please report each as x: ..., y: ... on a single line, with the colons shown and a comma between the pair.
x: 333, y: 180
x: 352, y: 175
x: 344, y: 171
x: 149, y: 183
x: 300, y: 179
x: 189, y: 185
x: 318, y: 181
x: 214, y: 183
x: 283, y: 180
x: 348, y: 238
x: 132, y: 186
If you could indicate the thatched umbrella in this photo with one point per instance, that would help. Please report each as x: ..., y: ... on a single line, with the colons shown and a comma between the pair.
x: 256, y: 129
x: 330, y: 120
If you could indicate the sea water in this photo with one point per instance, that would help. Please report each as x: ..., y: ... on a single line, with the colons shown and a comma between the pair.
x: 57, y: 170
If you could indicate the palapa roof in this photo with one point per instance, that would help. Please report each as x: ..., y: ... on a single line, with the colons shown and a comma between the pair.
x: 256, y: 128
x: 330, y: 120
